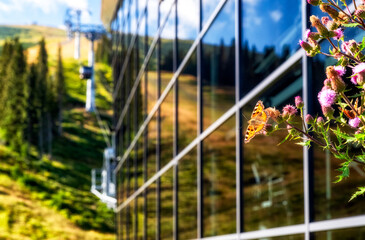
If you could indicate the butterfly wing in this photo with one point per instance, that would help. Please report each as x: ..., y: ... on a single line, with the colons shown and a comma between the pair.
x: 259, y: 108
x: 252, y: 130
x: 349, y: 113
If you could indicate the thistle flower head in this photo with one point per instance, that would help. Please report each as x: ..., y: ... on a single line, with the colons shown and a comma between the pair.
x: 337, y: 83
x: 320, y: 121
x: 358, y: 74
x: 340, y: 70
x: 338, y: 34
x: 289, y: 111
x: 354, y: 122
x: 273, y: 113
x: 313, y: 2
x: 327, y: 97
x: 319, y: 26
x: 326, y: 8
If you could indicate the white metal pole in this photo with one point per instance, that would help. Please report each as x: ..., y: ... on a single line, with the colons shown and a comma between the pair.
x: 90, y: 91
x: 77, y: 46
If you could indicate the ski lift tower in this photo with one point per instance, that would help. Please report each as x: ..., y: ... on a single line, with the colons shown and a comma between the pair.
x: 92, y: 32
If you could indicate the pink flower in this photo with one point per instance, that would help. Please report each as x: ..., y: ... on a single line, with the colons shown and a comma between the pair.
x: 354, y: 122
x: 327, y: 97
x: 307, y: 33
x: 325, y: 20
x: 338, y: 34
x: 358, y: 73
x: 289, y: 110
x: 340, y: 70
x: 359, y: 68
x: 320, y: 120
x: 345, y: 47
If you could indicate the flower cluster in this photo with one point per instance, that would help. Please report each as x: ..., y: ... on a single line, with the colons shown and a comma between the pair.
x: 341, y: 130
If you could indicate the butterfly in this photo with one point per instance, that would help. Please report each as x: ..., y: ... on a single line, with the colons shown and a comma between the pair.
x: 350, y: 114
x: 257, y: 122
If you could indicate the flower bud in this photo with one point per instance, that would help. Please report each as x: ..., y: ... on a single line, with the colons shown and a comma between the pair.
x: 289, y: 111
x: 309, y: 119
x: 353, y: 46
x: 312, y: 35
x: 354, y: 122
x: 319, y: 26
x: 320, y: 121
x: 360, y: 13
x: 328, y: 112
x: 305, y: 46
x: 337, y: 83
x: 325, y: 7
x: 342, y: 18
x: 299, y: 102
x: 332, y: 25
x: 313, y: 2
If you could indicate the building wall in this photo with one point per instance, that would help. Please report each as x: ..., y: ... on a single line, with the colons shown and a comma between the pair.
x: 187, y: 75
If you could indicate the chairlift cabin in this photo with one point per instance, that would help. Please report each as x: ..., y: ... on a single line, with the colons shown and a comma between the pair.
x: 85, y: 72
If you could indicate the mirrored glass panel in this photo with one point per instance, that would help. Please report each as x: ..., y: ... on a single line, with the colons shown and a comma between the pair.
x: 141, y: 43
x: 166, y: 192
x: 219, y: 181
x: 218, y: 66
x: 151, y: 212
x: 272, y: 174
x: 187, y: 25
x: 152, y: 23
x: 187, y: 196
x: 151, y: 87
x: 165, y: 7
x: 151, y: 147
x: 167, y: 126
x: 187, y: 103
x: 208, y: 7
x: 167, y: 55
x: 343, y: 234
x: 270, y: 36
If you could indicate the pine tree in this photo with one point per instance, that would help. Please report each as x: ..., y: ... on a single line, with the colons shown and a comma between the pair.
x: 32, y: 110
x: 60, y: 90
x: 14, y: 122
x: 41, y: 93
x: 4, y: 63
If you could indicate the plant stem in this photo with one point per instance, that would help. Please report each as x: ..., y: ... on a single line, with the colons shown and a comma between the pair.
x: 331, y: 149
x: 354, y: 1
x: 344, y: 54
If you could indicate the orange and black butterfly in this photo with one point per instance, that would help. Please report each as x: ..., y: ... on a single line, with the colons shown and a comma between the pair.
x: 351, y: 114
x: 256, y: 124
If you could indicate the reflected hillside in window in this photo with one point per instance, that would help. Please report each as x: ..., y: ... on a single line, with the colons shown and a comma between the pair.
x: 272, y: 175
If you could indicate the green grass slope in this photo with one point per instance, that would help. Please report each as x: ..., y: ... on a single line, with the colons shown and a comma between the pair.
x: 50, y: 198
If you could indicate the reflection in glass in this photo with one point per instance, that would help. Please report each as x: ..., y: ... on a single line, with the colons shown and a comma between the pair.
x: 208, y: 7
x: 139, y: 170
x: 187, y: 103
x: 167, y: 125
x: 187, y: 196
x: 272, y: 175
x: 141, y: 43
x: 331, y: 200
x: 152, y: 82
x: 187, y: 26
x: 152, y: 23
x: 343, y: 234
x: 166, y: 51
x: 218, y: 73
x: 167, y: 205
x: 270, y: 36
x: 140, y: 217
x: 219, y: 181
x: 151, y: 147
x: 165, y: 7
x: 151, y: 212
x: 133, y: 16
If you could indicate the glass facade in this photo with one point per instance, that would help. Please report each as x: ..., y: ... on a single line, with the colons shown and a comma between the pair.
x: 187, y: 74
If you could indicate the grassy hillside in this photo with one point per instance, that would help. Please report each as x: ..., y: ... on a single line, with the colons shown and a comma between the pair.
x: 50, y: 198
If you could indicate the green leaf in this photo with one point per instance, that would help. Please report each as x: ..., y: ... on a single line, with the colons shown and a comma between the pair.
x: 362, y: 45
x: 305, y: 143
x: 285, y: 139
x: 350, y: 24
x: 359, y: 192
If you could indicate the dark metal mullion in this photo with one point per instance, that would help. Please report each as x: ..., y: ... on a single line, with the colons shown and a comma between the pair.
x: 200, y: 130
x: 145, y: 135
x: 158, y: 122
x: 239, y: 137
x: 176, y: 131
x: 135, y: 113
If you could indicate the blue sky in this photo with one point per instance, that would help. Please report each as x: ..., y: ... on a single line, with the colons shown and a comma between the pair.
x: 46, y: 12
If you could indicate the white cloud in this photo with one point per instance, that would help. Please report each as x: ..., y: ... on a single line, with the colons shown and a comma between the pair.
x: 46, y: 6
x: 276, y: 15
